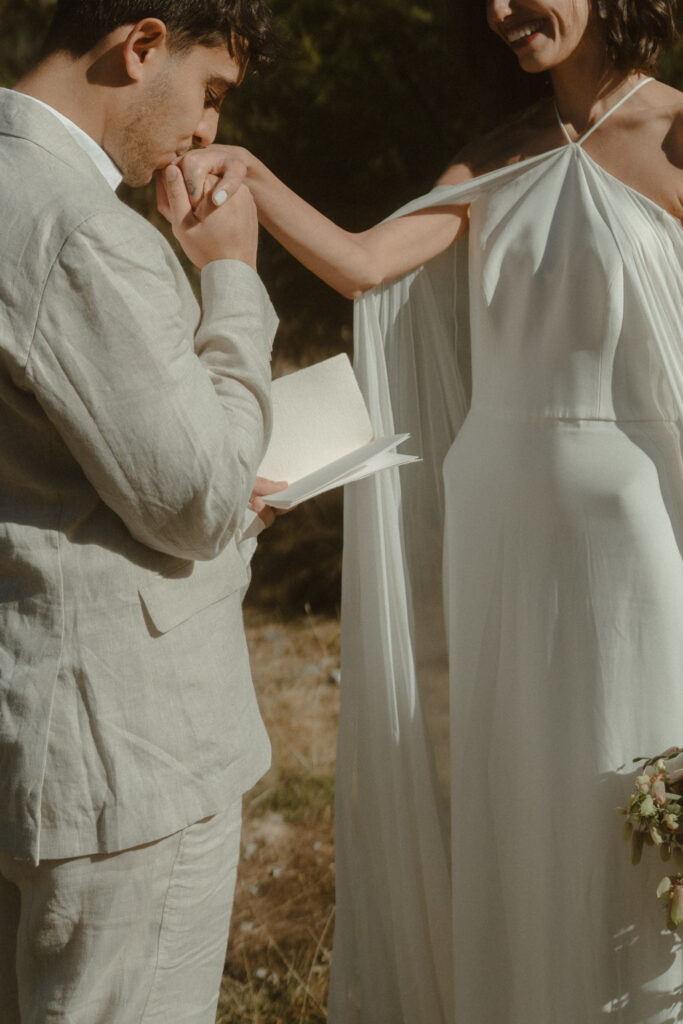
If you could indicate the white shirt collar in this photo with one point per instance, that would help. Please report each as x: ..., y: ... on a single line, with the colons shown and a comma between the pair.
x: 103, y: 162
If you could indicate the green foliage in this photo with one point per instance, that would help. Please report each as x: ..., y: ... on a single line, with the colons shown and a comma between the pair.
x: 671, y: 65
x: 24, y: 23
x: 358, y: 118
x: 299, y: 798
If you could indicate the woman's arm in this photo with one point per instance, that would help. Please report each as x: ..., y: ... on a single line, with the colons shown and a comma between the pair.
x: 351, y: 262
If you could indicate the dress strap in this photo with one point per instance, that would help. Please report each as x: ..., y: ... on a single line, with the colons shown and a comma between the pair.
x: 601, y: 120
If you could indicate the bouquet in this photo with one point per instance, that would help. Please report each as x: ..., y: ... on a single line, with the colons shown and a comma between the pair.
x: 654, y: 817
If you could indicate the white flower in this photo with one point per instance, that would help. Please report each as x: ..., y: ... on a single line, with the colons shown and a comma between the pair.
x: 647, y: 808
x: 643, y: 783
x: 664, y: 887
x: 659, y: 792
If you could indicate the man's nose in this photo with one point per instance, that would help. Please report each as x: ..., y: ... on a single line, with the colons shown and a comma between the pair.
x: 205, y: 132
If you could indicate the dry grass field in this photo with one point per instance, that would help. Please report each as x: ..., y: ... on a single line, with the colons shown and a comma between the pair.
x: 277, y: 967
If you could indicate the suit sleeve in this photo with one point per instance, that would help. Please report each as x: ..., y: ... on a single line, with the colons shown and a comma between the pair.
x: 168, y: 428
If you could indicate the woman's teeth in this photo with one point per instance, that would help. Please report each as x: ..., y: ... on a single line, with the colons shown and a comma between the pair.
x: 515, y: 34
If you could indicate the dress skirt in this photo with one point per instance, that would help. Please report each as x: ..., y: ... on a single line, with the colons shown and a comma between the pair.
x: 564, y: 608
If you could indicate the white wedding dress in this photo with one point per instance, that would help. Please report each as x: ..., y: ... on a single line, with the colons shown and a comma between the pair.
x: 482, y: 878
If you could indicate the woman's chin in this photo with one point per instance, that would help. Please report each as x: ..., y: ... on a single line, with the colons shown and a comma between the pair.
x: 536, y: 54
x: 534, y: 63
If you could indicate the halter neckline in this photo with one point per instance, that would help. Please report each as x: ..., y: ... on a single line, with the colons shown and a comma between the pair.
x: 601, y: 120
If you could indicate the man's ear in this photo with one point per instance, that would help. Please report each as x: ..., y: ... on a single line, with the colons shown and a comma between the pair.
x: 145, y: 43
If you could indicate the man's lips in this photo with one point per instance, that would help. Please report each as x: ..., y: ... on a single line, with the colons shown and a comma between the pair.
x: 172, y: 158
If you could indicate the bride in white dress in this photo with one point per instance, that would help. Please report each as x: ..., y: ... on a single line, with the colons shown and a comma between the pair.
x: 539, y: 362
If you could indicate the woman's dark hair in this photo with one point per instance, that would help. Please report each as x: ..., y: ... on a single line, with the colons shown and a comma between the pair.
x: 245, y: 26
x: 638, y: 31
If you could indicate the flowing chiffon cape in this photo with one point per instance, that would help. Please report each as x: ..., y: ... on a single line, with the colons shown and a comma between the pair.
x: 392, y: 961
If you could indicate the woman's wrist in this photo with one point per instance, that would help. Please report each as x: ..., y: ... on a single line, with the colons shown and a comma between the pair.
x: 255, y: 168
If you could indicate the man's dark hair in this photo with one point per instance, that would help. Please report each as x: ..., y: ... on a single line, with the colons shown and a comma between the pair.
x: 638, y: 31
x: 245, y: 26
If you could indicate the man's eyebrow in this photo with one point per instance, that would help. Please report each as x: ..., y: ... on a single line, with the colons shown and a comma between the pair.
x: 223, y: 85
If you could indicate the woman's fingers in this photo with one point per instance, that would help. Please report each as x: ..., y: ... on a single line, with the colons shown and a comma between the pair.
x: 201, y: 167
x: 229, y: 183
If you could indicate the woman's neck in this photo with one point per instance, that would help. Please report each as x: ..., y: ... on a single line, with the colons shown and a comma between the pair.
x: 587, y: 85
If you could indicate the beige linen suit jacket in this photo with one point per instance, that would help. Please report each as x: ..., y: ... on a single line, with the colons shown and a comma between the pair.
x: 130, y: 433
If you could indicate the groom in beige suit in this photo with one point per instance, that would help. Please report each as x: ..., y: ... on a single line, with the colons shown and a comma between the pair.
x: 131, y: 427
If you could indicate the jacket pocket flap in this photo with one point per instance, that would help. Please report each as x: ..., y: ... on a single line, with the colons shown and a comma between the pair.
x: 174, y: 597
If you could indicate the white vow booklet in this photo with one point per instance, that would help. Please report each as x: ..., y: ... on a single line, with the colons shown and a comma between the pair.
x: 322, y: 436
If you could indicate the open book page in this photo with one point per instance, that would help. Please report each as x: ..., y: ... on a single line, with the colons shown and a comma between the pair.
x: 322, y: 436
x: 361, y: 462
x: 319, y: 415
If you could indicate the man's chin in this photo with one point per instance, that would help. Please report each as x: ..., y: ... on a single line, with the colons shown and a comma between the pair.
x: 138, y: 178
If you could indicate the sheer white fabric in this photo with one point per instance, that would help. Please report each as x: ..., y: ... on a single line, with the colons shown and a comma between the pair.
x: 568, y: 295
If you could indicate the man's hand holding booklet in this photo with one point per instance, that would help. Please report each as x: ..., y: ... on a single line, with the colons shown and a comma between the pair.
x: 322, y: 436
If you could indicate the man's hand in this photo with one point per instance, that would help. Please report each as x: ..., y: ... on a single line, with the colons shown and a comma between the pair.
x: 208, y: 232
x: 262, y: 488
x: 215, y: 173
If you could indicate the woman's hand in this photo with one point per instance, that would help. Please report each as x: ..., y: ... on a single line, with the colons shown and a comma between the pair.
x: 205, y: 232
x: 215, y: 173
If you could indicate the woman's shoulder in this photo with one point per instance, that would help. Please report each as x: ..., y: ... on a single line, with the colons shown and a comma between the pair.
x: 672, y: 144
x: 527, y: 135
x: 652, y: 149
x: 659, y: 109
x: 662, y: 97
x: 665, y: 118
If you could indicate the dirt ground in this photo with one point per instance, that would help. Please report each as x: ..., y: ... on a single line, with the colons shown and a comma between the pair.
x: 277, y: 968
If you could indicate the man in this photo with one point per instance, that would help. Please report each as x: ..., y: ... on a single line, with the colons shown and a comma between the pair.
x: 131, y: 432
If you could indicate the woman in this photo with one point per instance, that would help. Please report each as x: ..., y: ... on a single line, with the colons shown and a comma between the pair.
x: 563, y: 535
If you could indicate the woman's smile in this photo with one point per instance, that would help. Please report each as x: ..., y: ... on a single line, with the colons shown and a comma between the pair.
x: 521, y: 35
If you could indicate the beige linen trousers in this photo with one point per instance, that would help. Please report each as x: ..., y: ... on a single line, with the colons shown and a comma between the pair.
x: 136, y: 937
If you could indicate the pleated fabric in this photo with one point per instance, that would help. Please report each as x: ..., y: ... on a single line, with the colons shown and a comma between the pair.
x: 484, y: 743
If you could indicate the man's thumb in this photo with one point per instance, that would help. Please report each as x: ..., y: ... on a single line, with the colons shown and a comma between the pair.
x: 176, y: 193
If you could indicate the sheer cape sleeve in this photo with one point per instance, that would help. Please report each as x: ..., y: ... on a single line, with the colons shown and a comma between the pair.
x: 392, y: 940
x: 392, y: 950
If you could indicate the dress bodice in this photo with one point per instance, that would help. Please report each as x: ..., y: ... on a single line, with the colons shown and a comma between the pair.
x: 574, y: 307
x: 555, y: 330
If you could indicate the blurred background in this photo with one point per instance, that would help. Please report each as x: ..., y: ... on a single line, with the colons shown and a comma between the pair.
x: 371, y: 102
x: 369, y: 105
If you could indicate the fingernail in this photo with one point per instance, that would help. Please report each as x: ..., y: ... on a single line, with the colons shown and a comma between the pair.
x: 172, y: 172
x: 220, y: 198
